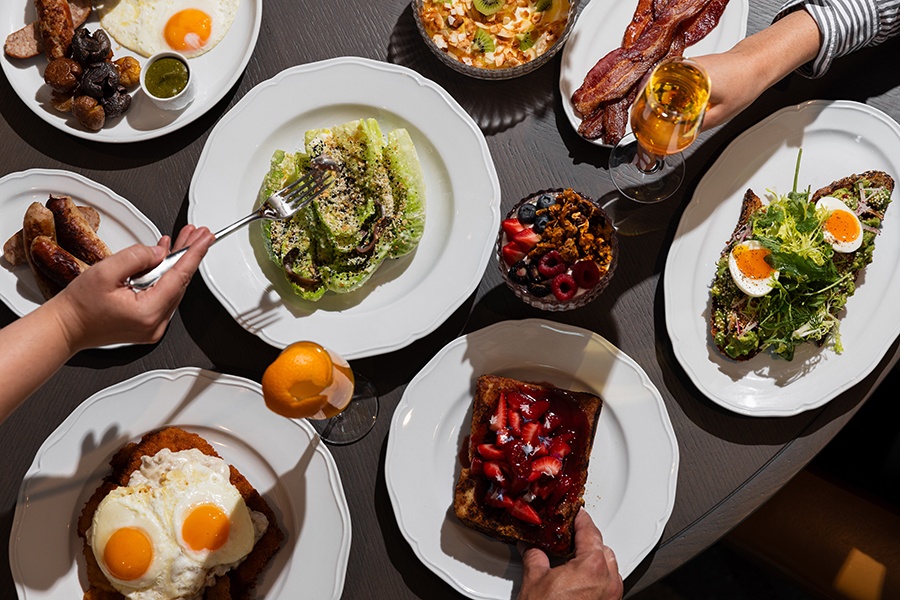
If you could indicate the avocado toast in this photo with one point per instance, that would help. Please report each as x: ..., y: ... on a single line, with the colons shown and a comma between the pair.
x: 812, y: 281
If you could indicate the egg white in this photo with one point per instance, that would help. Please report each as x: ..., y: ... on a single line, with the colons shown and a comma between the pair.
x: 831, y: 204
x: 139, y: 24
x: 752, y: 286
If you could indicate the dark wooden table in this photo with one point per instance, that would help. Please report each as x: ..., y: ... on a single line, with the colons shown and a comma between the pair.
x: 533, y: 147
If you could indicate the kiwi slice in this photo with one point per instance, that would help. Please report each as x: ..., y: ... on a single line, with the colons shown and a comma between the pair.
x: 542, y: 5
x: 488, y: 7
x: 525, y: 41
x: 483, y: 40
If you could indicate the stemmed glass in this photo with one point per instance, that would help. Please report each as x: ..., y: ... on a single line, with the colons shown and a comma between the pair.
x: 646, y: 165
x: 313, y: 382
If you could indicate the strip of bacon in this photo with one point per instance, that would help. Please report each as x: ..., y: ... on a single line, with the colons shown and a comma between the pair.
x: 643, y: 16
x: 698, y: 27
x: 615, y: 73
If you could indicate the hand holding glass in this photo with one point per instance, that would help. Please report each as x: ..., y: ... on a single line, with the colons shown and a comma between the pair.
x: 665, y: 118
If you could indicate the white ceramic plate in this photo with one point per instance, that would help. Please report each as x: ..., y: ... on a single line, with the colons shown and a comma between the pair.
x: 214, y: 72
x: 282, y: 458
x: 121, y: 224
x: 406, y: 298
x: 600, y: 28
x: 838, y: 139
x: 631, y: 481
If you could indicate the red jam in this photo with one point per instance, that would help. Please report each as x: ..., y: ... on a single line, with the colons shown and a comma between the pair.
x: 529, y: 458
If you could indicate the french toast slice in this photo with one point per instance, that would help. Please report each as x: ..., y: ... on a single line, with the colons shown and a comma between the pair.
x: 237, y: 584
x: 525, y: 466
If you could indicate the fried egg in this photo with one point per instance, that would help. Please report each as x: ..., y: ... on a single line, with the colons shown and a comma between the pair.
x: 191, y: 27
x: 841, y: 227
x: 749, y: 269
x: 177, y: 522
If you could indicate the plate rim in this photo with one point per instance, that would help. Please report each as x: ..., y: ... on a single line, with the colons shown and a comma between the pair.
x: 172, y: 375
x: 675, y: 332
x: 109, y: 137
x: 404, y: 407
x: 485, y: 161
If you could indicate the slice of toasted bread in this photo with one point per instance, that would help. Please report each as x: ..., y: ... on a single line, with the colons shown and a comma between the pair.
x: 237, y: 584
x: 541, y: 455
x: 727, y: 321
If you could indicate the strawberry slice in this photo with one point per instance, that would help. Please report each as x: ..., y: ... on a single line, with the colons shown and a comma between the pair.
x: 563, y: 485
x: 497, y: 498
x: 517, y: 400
x: 511, y: 226
x: 551, y: 421
x: 536, y: 409
x: 503, y: 436
x: 527, y: 239
x: 547, y: 465
x: 522, y: 511
x: 560, y: 448
x: 498, y: 419
x: 531, y: 432
x: 513, y: 253
x: 518, y: 485
x: 542, y: 488
x: 477, y: 467
x: 493, y: 471
x: 490, y: 452
x: 514, y: 419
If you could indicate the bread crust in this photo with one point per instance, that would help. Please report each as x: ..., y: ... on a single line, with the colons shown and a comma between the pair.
x: 556, y: 534
x: 240, y: 581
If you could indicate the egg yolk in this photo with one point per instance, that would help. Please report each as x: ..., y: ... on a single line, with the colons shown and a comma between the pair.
x: 842, y: 226
x: 206, y: 528
x: 128, y: 553
x: 188, y: 29
x: 752, y: 263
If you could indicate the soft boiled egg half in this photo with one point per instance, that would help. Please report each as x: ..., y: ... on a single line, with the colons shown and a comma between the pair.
x: 190, y: 27
x: 841, y: 227
x: 749, y: 269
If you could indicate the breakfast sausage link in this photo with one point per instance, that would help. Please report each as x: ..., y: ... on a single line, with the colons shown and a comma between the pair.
x: 55, y: 26
x: 14, y: 250
x: 26, y: 42
x: 39, y: 222
x: 74, y: 233
x: 55, y: 262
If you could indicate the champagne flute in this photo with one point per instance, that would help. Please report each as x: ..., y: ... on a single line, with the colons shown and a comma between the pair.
x: 310, y: 381
x: 646, y: 165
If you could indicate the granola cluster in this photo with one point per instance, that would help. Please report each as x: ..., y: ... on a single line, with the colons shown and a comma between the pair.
x: 577, y: 230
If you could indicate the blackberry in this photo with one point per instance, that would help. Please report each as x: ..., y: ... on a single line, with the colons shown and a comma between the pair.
x: 519, y: 272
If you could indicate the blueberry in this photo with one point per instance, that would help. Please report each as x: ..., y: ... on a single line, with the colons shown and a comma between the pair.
x: 526, y: 213
x: 540, y: 223
x: 545, y: 200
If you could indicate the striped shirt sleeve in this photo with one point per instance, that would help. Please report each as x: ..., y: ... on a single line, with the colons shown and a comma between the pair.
x: 846, y: 26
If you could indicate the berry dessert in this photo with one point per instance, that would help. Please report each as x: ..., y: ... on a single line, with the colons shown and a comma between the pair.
x: 557, y: 250
x: 525, y: 462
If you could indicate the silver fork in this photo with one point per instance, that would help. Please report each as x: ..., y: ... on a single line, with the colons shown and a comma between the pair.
x: 281, y: 205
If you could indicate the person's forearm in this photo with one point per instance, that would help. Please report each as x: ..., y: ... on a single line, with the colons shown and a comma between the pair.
x: 32, y: 349
x: 774, y: 52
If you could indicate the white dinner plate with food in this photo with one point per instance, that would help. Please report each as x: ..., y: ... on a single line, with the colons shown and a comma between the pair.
x: 213, y: 74
x: 633, y: 469
x: 121, y: 224
x: 283, y: 459
x: 600, y: 28
x: 838, y: 139
x: 406, y: 298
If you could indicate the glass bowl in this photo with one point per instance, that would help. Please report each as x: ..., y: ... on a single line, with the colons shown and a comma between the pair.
x: 522, y: 275
x: 499, y: 73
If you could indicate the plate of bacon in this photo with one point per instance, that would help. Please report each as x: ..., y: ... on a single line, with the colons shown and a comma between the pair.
x: 614, y: 44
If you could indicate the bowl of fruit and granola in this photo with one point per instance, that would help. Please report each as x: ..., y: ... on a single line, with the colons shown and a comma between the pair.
x: 557, y: 250
x: 494, y: 39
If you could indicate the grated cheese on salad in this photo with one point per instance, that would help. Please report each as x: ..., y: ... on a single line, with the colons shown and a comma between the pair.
x: 519, y: 32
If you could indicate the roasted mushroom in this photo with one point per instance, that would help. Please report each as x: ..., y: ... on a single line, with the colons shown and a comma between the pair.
x: 100, y: 80
x: 89, y: 113
x: 89, y: 48
x: 63, y: 75
x: 61, y: 101
x: 117, y: 103
x: 129, y: 71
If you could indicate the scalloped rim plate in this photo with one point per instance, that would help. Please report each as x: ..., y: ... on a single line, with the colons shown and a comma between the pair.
x: 406, y: 298
x: 838, y: 139
x: 121, y: 224
x: 632, y: 476
x: 282, y: 458
x: 600, y: 28
x: 216, y: 72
